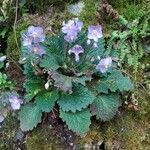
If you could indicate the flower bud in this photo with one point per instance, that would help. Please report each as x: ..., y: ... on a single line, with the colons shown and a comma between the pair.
x: 7, y: 65
x: 3, y: 58
x: 47, y: 85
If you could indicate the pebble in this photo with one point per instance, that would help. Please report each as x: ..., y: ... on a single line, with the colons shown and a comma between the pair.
x: 76, y: 8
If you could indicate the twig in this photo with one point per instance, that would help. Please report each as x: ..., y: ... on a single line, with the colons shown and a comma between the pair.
x: 15, y: 22
x: 105, y: 6
x: 14, y: 28
x: 15, y: 63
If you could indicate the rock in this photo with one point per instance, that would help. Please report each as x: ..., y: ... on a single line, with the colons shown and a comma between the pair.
x: 76, y: 8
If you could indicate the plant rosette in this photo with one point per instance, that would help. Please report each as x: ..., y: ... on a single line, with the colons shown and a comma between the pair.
x: 72, y: 70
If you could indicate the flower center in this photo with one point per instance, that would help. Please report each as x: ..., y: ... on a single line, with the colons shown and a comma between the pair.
x: 106, y: 66
x: 35, y: 35
x: 95, y: 32
x: 16, y: 101
x: 69, y: 27
x: 35, y: 49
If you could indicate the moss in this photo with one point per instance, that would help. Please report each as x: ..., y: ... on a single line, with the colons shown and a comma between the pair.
x: 92, y: 137
x: 13, y: 50
x: 131, y: 9
x: 58, y: 18
x: 126, y: 133
x: 8, y: 132
x: 131, y: 129
x: 141, y: 91
x: 44, y: 139
x: 42, y: 6
x: 88, y: 15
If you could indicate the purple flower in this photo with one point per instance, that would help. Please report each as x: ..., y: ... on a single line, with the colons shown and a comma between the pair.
x: 78, y: 24
x: 26, y: 41
x: 71, y: 36
x: 68, y: 26
x: 71, y: 29
x: 94, y: 32
x: 104, y: 64
x: 37, y: 49
x: 36, y: 34
x: 15, y: 102
x: 77, y: 49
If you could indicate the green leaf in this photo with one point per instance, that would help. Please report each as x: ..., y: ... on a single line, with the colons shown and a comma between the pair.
x: 29, y: 116
x: 27, y: 56
x: 82, y: 80
x: 55, y: 45
x: 90, y: 53
x: 99, y: 51
x: 33, y: 87
x: 1, y: 65
x: 5, y: 83
x: 80, y: 98
x: 103, y: 86
x: 106, y: 106
x: 46, y: 100
x: 33, y: 84
x: 49, y: 62
x: 78, y: 122
x: 28, y: 70
x: 115, y: 81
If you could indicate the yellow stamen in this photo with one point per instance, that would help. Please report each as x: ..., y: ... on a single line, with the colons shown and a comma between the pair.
x: 106, y: 65
x: 35, y: 49
x: 95, y: 32
x: 35, y: 35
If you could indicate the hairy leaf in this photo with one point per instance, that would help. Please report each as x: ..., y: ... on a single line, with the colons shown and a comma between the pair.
x: 99, y: 51
x: 33, y: 87
x: 46, y: 100
x: 78, y: 122
x: 49, y: 62
x: 55, y: 45
x: 106, y: 106
x: 80, y: 98
x: 28, y: 70
x: 29, y: 116
x: 115, y: 81
x: 33, y: 84
x: 82, y: 80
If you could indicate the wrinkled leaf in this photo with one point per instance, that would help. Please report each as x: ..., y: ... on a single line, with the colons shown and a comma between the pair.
x: 46, y: 100
x: 79, y: 99
x: 33, y: 87
x: 115, y: 81
x: 106, y: 106
x: 49, y: 62
x: 29, y: 116
x: 78, y: 122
